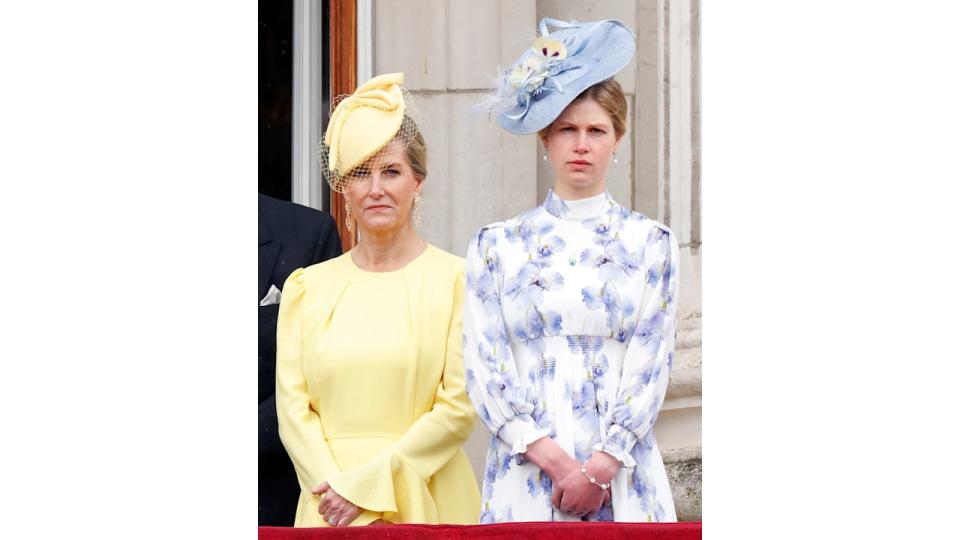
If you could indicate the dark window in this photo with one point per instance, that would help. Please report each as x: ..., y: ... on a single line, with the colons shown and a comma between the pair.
x: 275, y: 96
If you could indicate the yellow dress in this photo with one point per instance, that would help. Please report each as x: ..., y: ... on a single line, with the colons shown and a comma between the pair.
x: 370, y: 389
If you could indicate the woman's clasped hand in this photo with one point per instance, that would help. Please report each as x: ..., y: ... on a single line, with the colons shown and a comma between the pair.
x: 336, y: 510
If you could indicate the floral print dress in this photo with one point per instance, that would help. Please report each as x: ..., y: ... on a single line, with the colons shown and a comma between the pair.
x: 569, y: 327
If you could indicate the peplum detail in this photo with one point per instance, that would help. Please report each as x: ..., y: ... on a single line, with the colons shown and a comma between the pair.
x: 386, y: 484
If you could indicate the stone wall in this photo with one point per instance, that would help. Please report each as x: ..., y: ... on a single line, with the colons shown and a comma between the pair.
x: 450, y: 51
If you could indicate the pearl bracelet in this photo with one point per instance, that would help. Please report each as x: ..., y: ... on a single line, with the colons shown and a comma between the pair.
x: 594, y: 480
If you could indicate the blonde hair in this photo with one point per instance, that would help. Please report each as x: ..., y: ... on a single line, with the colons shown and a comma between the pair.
x: 609, y: 95
x: 415, y: 149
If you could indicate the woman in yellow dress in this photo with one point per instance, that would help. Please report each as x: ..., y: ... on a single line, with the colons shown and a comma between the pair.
x: 370, y: 388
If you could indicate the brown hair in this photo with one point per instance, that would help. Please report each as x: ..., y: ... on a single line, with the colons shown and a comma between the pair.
x: 609, y: 95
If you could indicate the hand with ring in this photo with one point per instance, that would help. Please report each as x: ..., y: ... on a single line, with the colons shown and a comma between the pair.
x: 336, y: 510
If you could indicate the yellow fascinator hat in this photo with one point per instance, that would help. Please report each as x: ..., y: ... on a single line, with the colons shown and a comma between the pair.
x: 364, y: 122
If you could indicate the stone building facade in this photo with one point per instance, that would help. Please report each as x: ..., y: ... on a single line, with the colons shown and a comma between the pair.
x: 450, y: 51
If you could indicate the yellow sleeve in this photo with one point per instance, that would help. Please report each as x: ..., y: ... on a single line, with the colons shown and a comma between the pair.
x: 404, y: 469
x: 298, y: 423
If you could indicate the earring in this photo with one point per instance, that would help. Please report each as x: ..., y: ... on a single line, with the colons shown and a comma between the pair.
x: 349, y: 217
x: 615, y: 160
x: 417, y: 201
x: 545, y: 155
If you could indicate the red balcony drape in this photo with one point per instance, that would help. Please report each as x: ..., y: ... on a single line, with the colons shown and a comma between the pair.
x: 539, y: 531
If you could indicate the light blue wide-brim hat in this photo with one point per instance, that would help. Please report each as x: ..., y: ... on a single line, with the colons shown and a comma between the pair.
x: 558, y: 68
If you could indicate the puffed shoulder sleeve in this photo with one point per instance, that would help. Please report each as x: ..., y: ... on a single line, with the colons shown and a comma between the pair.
x: 649, y: 354
x: 298, y: 422
x: 493, y: 383
x: 402, y: 472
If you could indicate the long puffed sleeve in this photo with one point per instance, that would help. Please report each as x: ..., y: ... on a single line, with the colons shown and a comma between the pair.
x: 492, y: 379
x: 299, y: 424
x: 649, y: 354
x: 397, y: 479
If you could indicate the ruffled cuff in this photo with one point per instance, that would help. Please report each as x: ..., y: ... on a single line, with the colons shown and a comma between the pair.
x: 381, y: 485
x: 520, y: 431
x: 618, y: 442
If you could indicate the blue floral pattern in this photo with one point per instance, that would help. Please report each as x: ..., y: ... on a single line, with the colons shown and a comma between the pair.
x: 569, y: 328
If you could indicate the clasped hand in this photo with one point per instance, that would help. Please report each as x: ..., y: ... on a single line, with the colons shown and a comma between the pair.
x: 574, y: 494
x: 336, y: 510
x: 572, y: 491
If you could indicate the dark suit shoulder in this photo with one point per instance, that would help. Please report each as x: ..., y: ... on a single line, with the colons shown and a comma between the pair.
x: 284, y: 218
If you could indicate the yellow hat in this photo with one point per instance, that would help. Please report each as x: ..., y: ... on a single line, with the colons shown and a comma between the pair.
x: 364, y: 122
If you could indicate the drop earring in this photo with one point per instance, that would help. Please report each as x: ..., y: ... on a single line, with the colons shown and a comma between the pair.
x: 417, y: 201
x: 349, y: 217
x: 545, y: 155
x: 615, y: 160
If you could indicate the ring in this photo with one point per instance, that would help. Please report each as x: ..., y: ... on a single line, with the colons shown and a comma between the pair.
x: 332, y: 521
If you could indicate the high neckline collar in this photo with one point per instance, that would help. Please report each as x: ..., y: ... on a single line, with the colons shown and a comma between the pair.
x: 578, y: 210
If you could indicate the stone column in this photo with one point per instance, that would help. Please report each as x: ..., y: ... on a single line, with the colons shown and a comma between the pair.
x: 677, y: 182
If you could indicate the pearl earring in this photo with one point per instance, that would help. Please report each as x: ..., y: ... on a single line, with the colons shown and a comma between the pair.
x: 615, y: 160
x: 545, y: 155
